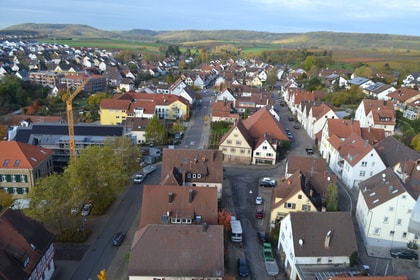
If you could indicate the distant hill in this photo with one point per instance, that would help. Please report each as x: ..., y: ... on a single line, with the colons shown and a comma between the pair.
x: 330, y: 40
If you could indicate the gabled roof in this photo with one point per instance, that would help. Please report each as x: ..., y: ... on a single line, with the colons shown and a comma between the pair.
x: 21, y: 237
x: 372, y: 135
x: 321, y: 110
x: 114, y: 104
x: 402, y: 94
x: 381, y: 109
x: 242, y: 129
x: 358, y: 81
x: 343, y: 128
x: 176, y: 163
x: 178, y: 251
x: 381, y: 188
x: 178, y: 201
x: 17, y: 155
x: 393, y: 151
x: 288, y: 189
x: 262, y: 122
x: 306, y: 164
x: 312, y: 228
x: 353, y: 149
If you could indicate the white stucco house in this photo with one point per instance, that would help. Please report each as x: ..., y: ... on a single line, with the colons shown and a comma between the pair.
x: 315, y: 238
x: 383, y: 212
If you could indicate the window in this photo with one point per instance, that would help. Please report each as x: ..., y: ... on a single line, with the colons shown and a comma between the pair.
x: 373, y: 163
x: 188, y: 175
x: 13, y: 178
x: 198, y: 176
x: 399, y: 221
x: 299, y: 196
x: 194, y: 176
x: 306, y: 207
x: 269, y: 154
x: 264, y: 147
x: 391, y: 208
x: 404, y: 235
x: 391, y: 233
x: 362, y: 173
x: 3, y: 178
x: 224, y: 149
x: 242, y: 151
x: 232, y: 149
x: 257, y: 153
x: 364, y: 163
x: 229, y: 141
x: 377, y: 231
x: 386, y: 220
x: 318, y: 260
x: 238, y: 142
x: 289, y: 205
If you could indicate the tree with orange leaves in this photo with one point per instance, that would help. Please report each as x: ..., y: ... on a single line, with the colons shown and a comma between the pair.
x: 224, y: 217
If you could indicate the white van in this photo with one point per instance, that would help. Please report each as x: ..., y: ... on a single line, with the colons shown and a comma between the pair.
x: 235, y: 230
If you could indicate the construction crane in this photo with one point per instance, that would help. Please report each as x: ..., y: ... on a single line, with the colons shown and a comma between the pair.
x: 70, y: 121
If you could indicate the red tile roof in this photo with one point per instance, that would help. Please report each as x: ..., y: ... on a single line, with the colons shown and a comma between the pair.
x: 19, y: 155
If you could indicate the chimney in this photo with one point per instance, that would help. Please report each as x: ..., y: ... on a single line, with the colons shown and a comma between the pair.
x: 170, y: 197
x: 204, y: 227
x: 328, y: 239
x: 190, y: 196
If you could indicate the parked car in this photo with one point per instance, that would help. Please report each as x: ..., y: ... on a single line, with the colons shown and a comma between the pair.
x: 259, y: 213
x: 118, y: 238
x: 288, y: 132
x: 262, y: 236
x: 149, y: 169
x: 291, y: 118
x: 309, y: 151
x: 179, y: 135
x: 86, y: 209
x: 243, y: 267
x: 138, y: 178
x: 296, y: 126
x: 403, y: 253
x: 259, y: 200
x: 291, y: 138
x: 267, y: 182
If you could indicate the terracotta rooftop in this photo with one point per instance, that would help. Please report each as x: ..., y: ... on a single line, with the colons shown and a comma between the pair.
x: 18, y: 155
x: 178, y: 251
x: 178, y: 163
x: 177, y: 201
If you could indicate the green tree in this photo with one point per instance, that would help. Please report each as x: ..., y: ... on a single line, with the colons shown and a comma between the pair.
x: 178, y: 126
x: 363, y: 71
x: 51, y: 201
x: 331, y: 198
x: 415, y: 142
x: 6, y: 199
x: 156, y: 132
x: 271, y: 77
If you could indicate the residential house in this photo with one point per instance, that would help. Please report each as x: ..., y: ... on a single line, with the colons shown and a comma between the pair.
x: 315, y: 175
x: 196, y: 168
x: 174, y: 204
x: 383, y: 212
x: 265, y: 151
x: 394, y: 153
x: 177, y: 87
x: 237, y: 144
x: 162, y: 251
x: 360, y: 82
x: 224, y: 111
x: 226, y: 95
x: 341, y: 128
x: 26, y: 248
x: 198, y: 82
x: 379, y: 91
x: 377, y: 114
x: 136, y: 127
x: 142, y: 105
x: 353, y: 159
x: 316, y: 119
x: 289, y: 196
x: 126, y: 85
x: 310, y: 239
x: 406, y: 100
x: 22, y: 166
x: 412, y: 80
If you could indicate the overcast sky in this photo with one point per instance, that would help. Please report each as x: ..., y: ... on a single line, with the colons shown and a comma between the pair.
x: 278, y: 16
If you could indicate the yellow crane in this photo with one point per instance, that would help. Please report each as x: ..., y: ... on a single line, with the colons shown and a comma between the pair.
x: 70, y: 121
